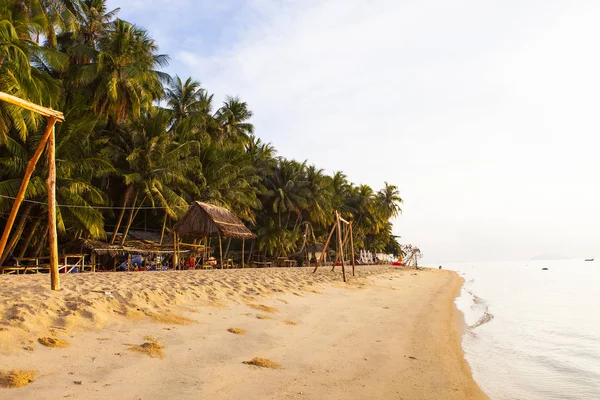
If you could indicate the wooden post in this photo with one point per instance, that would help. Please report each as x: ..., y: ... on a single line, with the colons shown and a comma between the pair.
x: 28, y: 172
x: 175, y: 256
x: 220, y: 251
x: 340, y: 245
x: 343, y: 245
x: 128, y: 261
x: 243, y: 254
x: 115, y: 264
x: 93, y: 261
x: 352, y: 248
x: 324, y: 249
x: 51, y: 187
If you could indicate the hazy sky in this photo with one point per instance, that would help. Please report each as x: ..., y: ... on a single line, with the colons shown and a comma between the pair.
x: 486, y: 114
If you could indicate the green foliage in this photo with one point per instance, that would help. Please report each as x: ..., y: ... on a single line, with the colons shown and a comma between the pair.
x: 118, y: 148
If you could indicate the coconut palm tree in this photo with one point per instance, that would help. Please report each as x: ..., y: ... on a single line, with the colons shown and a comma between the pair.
x: 154, y: 167
x: 124, y: 75
x: 233, y: 119
x: 388, y: 201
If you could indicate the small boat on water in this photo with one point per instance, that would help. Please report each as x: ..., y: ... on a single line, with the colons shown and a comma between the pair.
x: 544, y: 269
x: 589, y: 259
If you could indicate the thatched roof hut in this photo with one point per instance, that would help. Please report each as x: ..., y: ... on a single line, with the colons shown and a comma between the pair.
x: 204, y: 220
x: 132, y: 246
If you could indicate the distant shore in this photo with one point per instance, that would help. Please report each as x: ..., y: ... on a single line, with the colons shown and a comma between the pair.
x: 389, y: 333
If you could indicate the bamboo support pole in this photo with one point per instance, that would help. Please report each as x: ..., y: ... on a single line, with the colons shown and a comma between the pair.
x: 352, y: 248
x: 175, y: 258
x: 343, y: 246
x: 51, y: 187
x: 340, y: 248
x: 28, y: 172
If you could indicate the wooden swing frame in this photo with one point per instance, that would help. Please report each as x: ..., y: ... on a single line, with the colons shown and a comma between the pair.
x: 337, y: 226
x: 48, y: 138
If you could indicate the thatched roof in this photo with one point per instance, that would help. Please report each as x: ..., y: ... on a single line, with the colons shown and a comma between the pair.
x: 131, y: 247
x: 203, y: 219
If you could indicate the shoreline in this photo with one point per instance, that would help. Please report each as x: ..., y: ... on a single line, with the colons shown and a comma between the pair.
x: 390, y: 333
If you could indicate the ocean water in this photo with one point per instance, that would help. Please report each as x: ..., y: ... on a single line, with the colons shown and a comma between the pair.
x: 533, y: 334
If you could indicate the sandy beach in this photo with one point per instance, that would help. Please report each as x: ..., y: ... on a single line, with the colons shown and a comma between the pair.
x: 387, y: 334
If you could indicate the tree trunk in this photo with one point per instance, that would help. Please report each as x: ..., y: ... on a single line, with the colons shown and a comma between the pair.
x: 227, y: 248
x: 17, y: 234
x: 27, y: 241
x: 131, y: 215
x: 128, y: 193
x: 162, y: 233
x: 40, y: 244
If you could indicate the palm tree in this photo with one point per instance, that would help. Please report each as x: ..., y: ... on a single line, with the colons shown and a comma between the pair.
x: 77, y: 164
x: 188, y: 99
x: 388, y: 201
x: 319, y: 210
x: 232, y: 118
x: 287, y: 190
x: 95, y: 21
x: 152, y: 165
x: 17, y: 77
x: 123, y: 76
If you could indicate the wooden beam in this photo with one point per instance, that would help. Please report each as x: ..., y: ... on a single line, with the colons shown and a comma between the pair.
x: 51, y: 187
x: 25, y: 182
x: 46, y: 112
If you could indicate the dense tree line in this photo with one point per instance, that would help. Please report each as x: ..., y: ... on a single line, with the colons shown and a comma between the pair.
x: 135, y: 137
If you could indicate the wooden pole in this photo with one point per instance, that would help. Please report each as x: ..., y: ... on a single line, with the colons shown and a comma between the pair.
x: 51, y: 187
x: 343, y: 245
x: 220, y: 251
x: 175, y: 258
x: 352, y: 248
x: 128, y: 261
x: 93, y: 261
x: 243, y: 254
x: 28, y: 172
x: 46, y: 112
x: 324, y: 249
x: 340, y: 245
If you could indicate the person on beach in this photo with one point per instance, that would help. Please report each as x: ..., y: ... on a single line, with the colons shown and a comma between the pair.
x: 440, y: 267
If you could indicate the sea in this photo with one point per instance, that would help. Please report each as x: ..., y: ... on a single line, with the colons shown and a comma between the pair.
x: 533, y: 334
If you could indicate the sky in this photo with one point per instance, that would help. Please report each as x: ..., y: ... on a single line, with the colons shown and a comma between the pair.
x: 485, y: 114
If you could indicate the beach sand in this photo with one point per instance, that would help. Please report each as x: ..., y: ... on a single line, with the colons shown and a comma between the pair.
x: 389, y: 333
